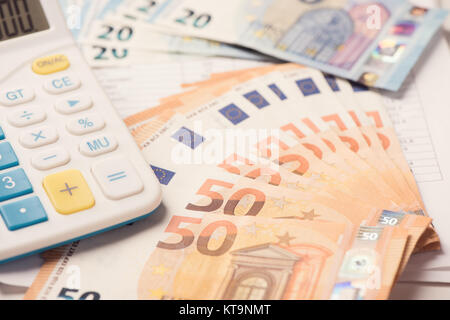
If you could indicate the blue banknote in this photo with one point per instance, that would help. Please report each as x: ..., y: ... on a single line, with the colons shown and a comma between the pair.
x: 373, y: 42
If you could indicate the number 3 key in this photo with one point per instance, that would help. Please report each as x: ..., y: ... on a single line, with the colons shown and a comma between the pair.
x: 14, y: 184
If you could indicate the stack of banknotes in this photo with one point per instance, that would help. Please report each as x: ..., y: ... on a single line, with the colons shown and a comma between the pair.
x: 114, y: 33
x: 372, y: 42
x: 279, y: 182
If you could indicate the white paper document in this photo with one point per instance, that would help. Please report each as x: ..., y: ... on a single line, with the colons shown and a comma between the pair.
x: 420, y: 112
x: 135, y: 88
x: 20, y: 273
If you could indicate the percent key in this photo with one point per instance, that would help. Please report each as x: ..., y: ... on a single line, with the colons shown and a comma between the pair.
x: 86, y: 124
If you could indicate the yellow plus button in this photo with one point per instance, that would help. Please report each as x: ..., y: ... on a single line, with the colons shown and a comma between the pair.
x: 68, y: 192
x: 51, y: 64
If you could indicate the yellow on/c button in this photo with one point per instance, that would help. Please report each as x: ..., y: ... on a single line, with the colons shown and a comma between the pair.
x: 51, y: 64
x: 68, y: 192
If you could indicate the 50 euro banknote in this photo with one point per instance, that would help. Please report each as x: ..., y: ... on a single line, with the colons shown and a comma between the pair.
x: 263, y: 189
x: 272, y: 110
x: 228, y: 257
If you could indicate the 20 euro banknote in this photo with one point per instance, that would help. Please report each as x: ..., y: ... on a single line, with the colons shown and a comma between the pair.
x: 373, y: 42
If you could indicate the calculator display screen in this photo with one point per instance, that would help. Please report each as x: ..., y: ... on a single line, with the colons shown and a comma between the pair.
x: 20, y: 18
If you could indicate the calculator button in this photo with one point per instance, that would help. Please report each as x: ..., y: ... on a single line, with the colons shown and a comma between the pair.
x: 69, y: 192
x: 62, y: 84
x: 117, y: 178
x: 95, y: 146
x: 85, y: 124
x: 16, y: 96
x: 2, y: 134
x: 14, y: 184
x: 50, y: 159
x: 51, y: 64
x: 27, y: 117
x: 8, y: 158
x: 38, y: 137
x: 74, y: 104
x: 23, y: 214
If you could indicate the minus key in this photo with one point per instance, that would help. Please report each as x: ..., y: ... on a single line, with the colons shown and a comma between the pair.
x: 50, y: 159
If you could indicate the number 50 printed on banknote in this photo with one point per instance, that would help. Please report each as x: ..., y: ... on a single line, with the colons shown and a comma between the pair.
x: 373, y: 42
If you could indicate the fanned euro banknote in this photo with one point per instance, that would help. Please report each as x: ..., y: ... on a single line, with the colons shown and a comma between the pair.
x: 372, y: 42
x: 279, y: 182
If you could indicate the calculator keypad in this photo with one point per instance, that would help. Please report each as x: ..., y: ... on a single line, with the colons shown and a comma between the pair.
x: 27, y: 116
x: 74, y: 104
x: 85, y: 124
x: 98, y: 145
x: 117, y: 178
x: 14, y: 184
x: 17, y: 96
x: 8, y: 158
x: 39, y: 137
x: 23, y: 213
x: 69, y: 192
x: 50, y: 64
x: 62, y: 84
x: 50, y: 159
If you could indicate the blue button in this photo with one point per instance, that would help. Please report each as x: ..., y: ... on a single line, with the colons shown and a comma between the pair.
x: 24, y: 213
x: 8, y: 158
x: 2, y: 134
x: 14, y: 184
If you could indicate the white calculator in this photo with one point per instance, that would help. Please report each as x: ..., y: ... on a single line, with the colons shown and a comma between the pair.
x: 68, y: 166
